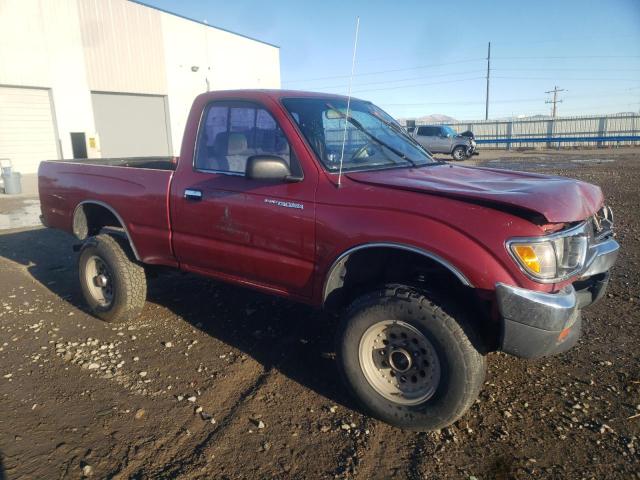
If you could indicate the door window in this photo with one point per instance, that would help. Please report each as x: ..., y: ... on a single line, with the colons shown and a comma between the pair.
x: 427, y: 131
x: 233, y: 132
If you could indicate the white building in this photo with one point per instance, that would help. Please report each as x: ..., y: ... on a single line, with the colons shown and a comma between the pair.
x: 111, y: 78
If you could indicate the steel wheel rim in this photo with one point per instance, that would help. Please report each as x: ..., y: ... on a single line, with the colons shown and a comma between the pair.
x: 99, y: 281
x: 399, y: 362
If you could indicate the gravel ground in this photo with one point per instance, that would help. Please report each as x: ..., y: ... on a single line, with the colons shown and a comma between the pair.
x: 214, y: 381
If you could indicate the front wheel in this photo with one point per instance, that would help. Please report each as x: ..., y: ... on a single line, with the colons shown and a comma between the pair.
x: 410, y: 358
x: 459, y: 153
x: 113, y: 284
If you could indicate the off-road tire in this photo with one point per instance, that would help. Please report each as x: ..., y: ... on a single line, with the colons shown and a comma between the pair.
x: 459, y: 153
x: 129, y: 283
x: 458, y: 347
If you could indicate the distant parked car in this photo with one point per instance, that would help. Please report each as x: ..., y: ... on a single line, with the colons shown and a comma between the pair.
x: 444, y: 139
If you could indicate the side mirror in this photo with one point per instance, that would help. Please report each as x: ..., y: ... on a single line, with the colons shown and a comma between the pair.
x: 269, y: 167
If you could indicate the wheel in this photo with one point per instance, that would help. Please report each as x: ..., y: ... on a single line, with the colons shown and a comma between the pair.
x: 459, y: 153
x: 113, y: 284
x: 410, y: 358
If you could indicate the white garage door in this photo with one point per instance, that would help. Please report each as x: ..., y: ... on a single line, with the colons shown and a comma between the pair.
x: 27, y: 132
x: 131, y: 125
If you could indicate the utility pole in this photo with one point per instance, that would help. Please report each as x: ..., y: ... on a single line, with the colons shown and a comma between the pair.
x: 486, y: 107
x: 555, y: 99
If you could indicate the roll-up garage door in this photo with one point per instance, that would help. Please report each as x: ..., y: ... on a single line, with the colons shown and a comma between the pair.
x: 27, y: 131
x: 131, y: 125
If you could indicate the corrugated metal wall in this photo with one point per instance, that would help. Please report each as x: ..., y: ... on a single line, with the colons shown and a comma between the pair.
x: 123, y: 47
x: 590, y: 126
x: 76, y: 48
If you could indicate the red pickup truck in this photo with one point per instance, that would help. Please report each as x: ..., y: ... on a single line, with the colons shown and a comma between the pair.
x: 331, y: 203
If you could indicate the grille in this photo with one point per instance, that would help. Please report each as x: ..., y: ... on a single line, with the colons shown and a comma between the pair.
x: 602, y: 223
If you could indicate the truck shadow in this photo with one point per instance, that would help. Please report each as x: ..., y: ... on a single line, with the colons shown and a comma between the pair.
x: 295, y: 339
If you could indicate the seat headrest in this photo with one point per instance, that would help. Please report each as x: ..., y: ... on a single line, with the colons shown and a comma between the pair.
x: 233, y: 143
x: 237, y: 143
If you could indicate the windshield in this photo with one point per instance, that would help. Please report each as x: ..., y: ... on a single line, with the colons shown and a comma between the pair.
x: 373, y: 138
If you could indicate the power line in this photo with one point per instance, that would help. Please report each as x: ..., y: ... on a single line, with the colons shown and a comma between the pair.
x: 623, y: 93
x: 475, y: 78
x: 386, y: 71
x: 453, y: 74
x: 572, y: 79
x: 422, y: 77
x: 456, y: 62
x: 568, y: 39
x: 479, y: 102
x: 419, y: 85
x: 565, y: 57
x: 413, y: 85
x: 563, y: 69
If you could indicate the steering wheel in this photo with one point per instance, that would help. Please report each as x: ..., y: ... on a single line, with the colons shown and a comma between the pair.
x: 359, y: 155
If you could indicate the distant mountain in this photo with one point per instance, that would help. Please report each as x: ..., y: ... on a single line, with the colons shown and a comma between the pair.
x: 434, y: 118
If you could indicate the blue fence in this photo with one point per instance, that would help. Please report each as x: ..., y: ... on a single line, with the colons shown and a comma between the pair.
x: 591, y: 131
x: 616, y: 138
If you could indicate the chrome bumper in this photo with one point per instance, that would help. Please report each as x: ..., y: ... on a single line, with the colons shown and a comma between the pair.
x: 601, y: 257
x: 537, y: 324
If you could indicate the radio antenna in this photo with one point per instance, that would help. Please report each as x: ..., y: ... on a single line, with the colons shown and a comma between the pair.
x: 346, y: 119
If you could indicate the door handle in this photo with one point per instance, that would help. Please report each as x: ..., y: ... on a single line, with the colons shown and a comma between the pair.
x: 192, y: 194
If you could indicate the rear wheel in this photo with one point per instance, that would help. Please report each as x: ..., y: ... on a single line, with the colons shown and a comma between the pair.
x: 459, y: 153
x: 410, y: 358
x: 113, y: 284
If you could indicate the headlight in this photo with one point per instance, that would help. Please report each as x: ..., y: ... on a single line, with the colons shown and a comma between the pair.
x: 553, y: 258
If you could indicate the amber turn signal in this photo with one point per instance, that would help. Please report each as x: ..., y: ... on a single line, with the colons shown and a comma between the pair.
x: 528, y: 257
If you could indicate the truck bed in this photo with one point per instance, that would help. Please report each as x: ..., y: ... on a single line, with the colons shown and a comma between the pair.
x: 153, y: 163
x: 134, y: 190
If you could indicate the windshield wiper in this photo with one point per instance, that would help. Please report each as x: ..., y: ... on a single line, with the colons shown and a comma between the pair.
x: 359, y: 126
x: 401, y: 131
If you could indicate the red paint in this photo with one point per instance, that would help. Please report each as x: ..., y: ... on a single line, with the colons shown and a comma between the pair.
x: 558, y: 199
x: 232, y: 234
x: 138, y: 195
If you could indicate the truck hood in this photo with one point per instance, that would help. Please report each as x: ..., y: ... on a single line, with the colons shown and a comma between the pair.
x: 558, y: 199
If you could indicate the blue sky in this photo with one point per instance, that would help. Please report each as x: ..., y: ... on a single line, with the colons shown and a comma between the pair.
x: 423, y: 57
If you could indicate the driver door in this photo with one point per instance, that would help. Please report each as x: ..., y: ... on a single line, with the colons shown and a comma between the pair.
x: 442, y: 143
x: 252, y: 231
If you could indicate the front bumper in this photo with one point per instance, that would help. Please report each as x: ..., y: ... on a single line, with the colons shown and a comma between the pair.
x: 536, y: 324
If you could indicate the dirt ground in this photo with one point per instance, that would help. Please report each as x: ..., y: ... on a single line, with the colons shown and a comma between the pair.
x: 214, y: 381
